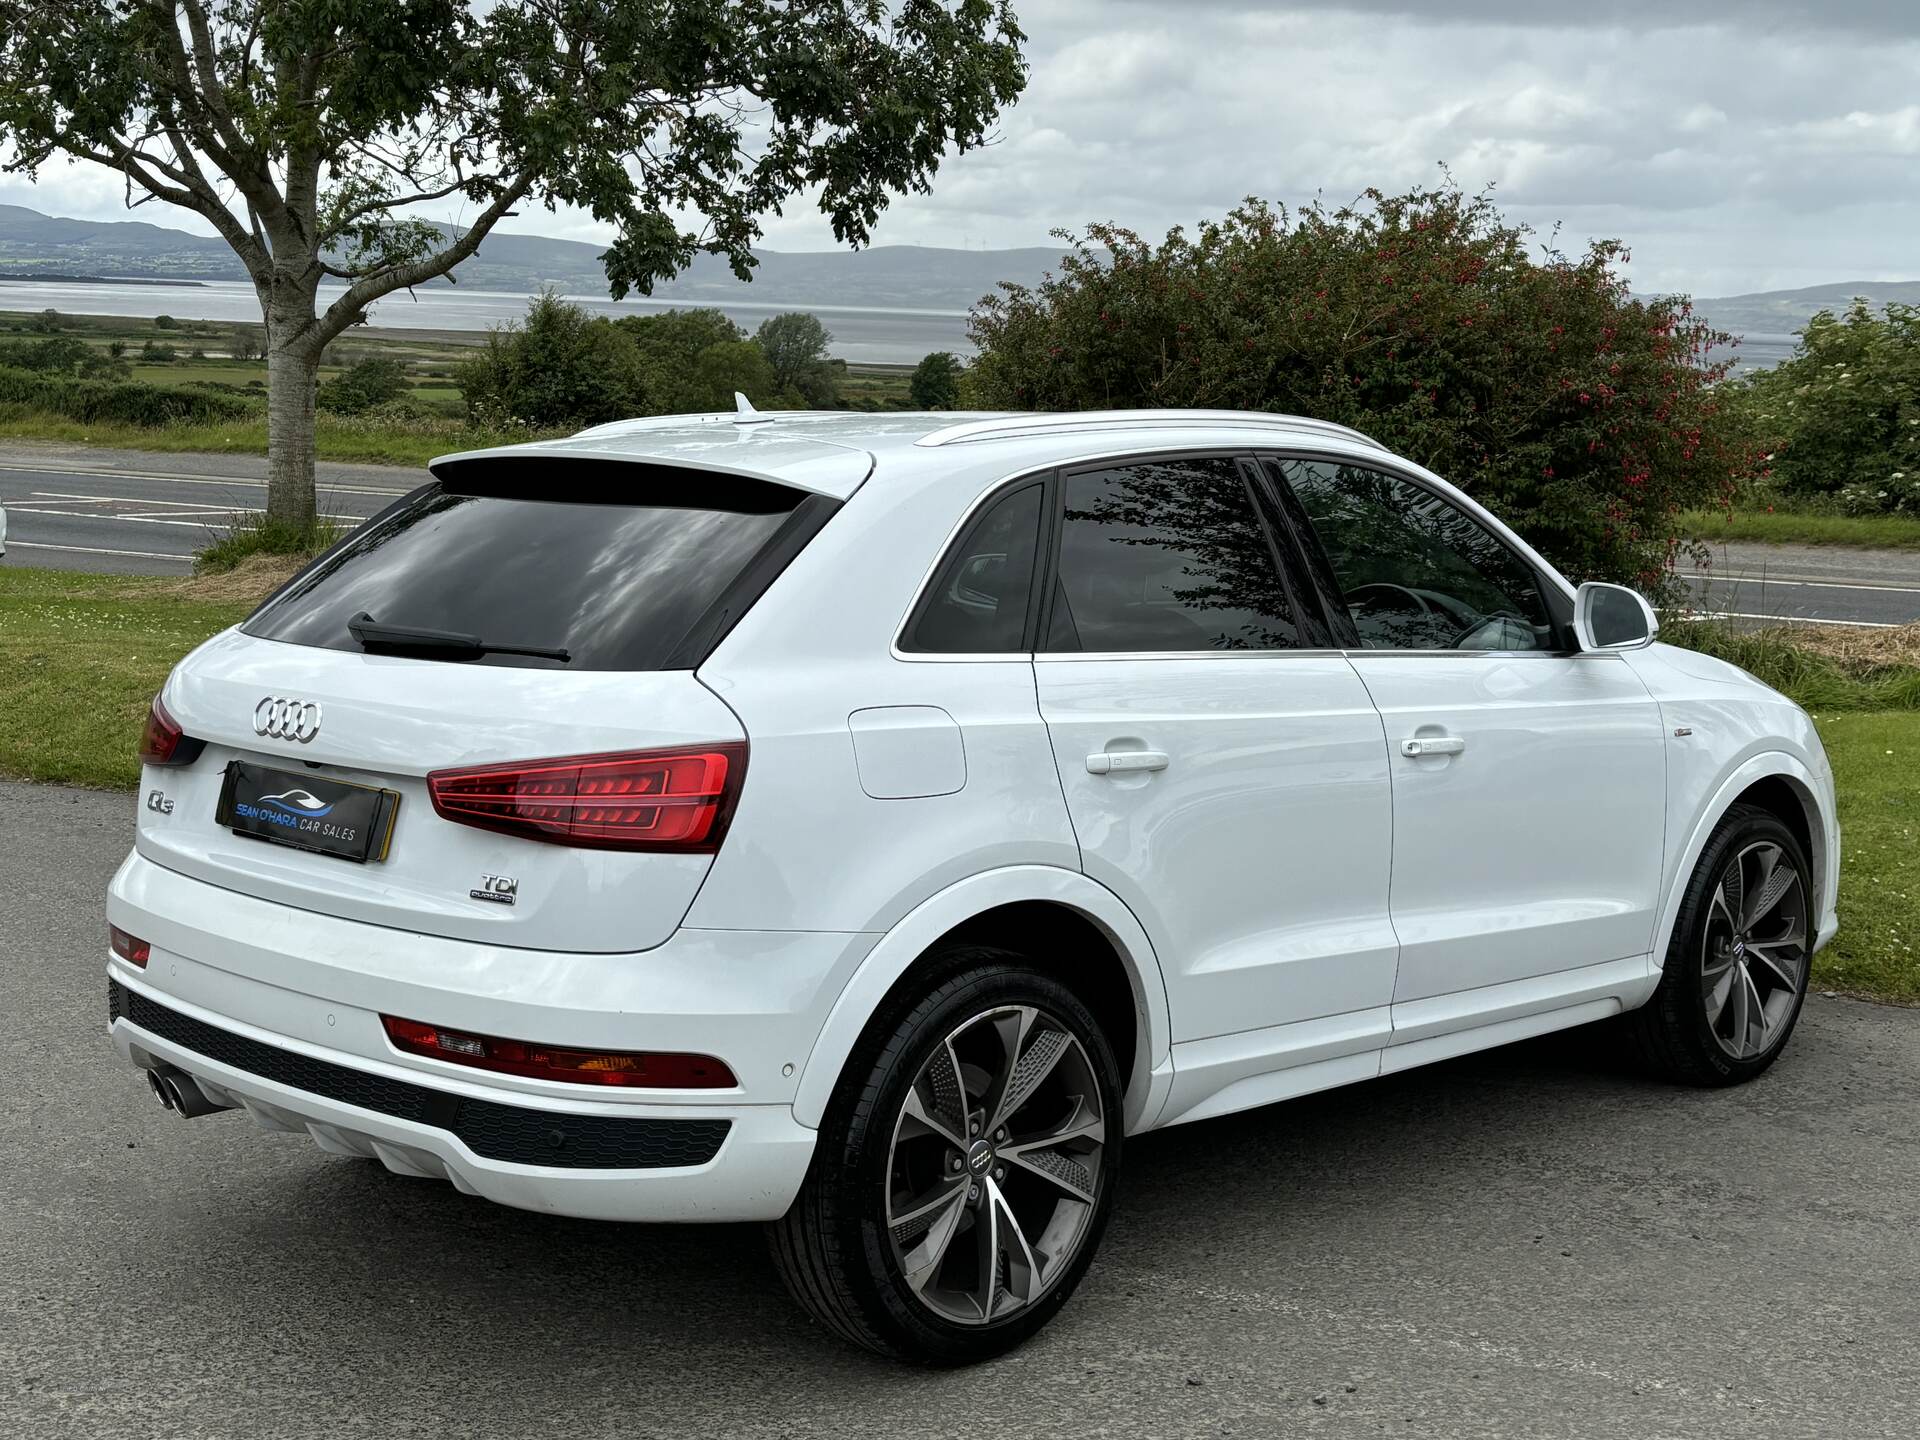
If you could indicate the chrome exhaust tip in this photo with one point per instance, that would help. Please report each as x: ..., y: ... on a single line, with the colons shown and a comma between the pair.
x: 162, y: 1091
x: 179, y: 1092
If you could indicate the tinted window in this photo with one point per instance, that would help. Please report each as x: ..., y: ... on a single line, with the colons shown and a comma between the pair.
x: 1167, y: 555
x: 978, y: 602
x: 618, y: 586
x: 1414, y: 572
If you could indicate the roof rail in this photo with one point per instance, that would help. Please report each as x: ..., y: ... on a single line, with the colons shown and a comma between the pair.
x: 1008, y: 427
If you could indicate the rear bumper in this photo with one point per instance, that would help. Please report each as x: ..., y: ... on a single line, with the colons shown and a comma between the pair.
x: 277, y: 1012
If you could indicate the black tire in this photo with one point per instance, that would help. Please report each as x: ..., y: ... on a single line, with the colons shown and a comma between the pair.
x: 832, y: 1248
x: 1671, y: 1034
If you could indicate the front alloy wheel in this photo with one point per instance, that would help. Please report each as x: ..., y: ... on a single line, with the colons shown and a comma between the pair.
x: 1736, y: 970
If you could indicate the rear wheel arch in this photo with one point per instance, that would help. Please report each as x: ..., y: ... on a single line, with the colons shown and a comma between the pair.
x: 1063, y: 925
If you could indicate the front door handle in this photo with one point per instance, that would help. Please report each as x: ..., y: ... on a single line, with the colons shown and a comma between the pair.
x: 1432, y: 745
x: 1116, y: 762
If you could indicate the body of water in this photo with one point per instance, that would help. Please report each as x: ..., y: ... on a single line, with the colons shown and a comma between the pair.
x: 870, y: 334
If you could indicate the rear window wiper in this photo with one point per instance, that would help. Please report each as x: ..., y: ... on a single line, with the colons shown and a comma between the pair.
x: 414, y: 639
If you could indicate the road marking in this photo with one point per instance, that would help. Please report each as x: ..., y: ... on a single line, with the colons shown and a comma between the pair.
x: 184, y: 505
x: 96, y: 550
x: 319, y: 485
x: 1793, y: 619
x: 1811, y: 584
x: 344, y: 522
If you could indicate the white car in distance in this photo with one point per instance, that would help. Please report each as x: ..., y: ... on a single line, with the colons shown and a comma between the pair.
x: 869, y: 824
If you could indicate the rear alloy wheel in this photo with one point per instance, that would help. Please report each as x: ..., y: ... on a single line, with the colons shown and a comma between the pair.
x: 1736, y: 970
x: 957, y: 1196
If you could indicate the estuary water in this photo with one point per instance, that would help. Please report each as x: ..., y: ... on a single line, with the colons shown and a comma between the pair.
x: 869, y: 334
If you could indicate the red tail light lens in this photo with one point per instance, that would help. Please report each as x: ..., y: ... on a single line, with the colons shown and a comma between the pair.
x: 132, y: 950
x: 644, y: 1070
x: 677, y: 800
x: 163, y: 742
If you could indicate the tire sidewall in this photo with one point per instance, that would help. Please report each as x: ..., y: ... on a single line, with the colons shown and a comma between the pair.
x: 878, y: 1286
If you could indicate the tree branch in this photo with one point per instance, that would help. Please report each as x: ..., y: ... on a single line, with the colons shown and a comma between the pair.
x: 369, y: 288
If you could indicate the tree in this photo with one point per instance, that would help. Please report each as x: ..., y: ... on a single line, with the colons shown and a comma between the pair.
x: 1844, y: 411
x: 1586, y: 418
x: 309, y: 132
x: 796, y: 348
x: 936, y: 382
x: 246, y: 343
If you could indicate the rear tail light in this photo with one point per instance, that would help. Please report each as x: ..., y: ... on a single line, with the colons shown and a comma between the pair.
x: 130, y: 949
x: 637, y: 1069
x: 675, y: 800
x: 164, y: 743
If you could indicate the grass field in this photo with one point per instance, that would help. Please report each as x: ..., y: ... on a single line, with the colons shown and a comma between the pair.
x: 1792, y: 527
x: 336, y: 437
x: 83, y: 655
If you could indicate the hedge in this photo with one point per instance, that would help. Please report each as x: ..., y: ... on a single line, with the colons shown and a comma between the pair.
x: 127, y: 402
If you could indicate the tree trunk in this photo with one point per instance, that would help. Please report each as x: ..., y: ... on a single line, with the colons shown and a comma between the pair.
x: 292, y: 374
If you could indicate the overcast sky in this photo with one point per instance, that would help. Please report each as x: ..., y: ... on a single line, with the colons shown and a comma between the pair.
x: 1735, y: 144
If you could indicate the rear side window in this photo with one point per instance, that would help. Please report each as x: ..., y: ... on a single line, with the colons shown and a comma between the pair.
x: 617, y: 583
x: 977, y: 604
x: 1167, y: 555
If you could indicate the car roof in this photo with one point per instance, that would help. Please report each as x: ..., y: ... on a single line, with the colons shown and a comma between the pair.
x: 832, y: 452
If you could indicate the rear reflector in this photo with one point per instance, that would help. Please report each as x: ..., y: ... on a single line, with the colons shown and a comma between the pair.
x: 163, y: 742
x: 129, y: 949
x: 676, y: 800
x: 640, y: 1070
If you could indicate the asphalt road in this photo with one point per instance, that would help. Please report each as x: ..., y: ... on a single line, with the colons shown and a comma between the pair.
x: 130, y: 512
x: 140, y: 513
x: 1527, y: 1243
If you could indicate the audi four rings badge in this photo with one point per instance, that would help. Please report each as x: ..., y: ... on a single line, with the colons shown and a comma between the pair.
x: 282, y: 719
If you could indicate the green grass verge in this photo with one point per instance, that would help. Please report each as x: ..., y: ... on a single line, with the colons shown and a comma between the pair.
x: 336, y: 437
x: 83, y: 655
x: 1876, y: 767
x: 1786, y: 527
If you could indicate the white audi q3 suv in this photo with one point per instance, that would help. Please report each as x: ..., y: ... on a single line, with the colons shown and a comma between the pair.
x: 867, y: 824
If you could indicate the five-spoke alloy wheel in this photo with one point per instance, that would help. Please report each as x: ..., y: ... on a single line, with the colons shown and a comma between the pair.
x: 958, y: 1194
x: 1736, y: 969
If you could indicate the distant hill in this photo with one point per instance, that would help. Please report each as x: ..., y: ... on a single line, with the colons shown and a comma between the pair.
x: 893, y: 276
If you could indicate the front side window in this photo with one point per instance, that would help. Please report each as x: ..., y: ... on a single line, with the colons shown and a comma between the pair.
x: 977, y: 604
x: 1415, y: 572
x: 1167, y: 555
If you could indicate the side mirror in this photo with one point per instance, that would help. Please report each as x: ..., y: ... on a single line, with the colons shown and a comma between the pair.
x: 1612, y: 617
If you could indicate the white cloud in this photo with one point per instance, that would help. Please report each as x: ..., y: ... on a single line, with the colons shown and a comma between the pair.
x: 1734, y: 144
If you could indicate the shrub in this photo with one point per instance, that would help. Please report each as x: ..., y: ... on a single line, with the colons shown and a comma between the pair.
x: 165, y: 322
x: 248, y: 533
x: 1585, y: 417
x: 157, y: 353
x: 126, y: 402
x: 1844, y: 412
x: 47, y: 322
x: 247, y: 344
x: 559, y: 366
x: 363, y: 385
x: 936, y: 382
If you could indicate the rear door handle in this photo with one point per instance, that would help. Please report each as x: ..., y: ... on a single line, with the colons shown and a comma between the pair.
x: 1432, y: 745
x: 1115, y: 762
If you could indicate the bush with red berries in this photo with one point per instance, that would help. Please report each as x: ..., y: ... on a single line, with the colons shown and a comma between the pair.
x: 1586, y: 418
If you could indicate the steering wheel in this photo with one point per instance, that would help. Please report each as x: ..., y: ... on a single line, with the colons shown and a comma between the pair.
x: 1388, y: 587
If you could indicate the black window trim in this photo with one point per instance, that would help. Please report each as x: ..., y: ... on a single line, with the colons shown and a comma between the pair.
x: 1241, y: 455
x: 1335, y: 605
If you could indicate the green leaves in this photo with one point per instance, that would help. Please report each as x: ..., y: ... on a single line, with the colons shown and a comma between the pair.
x: 1587, y: 418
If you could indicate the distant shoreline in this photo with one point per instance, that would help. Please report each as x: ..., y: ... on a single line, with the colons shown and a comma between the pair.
x: 52, y: 277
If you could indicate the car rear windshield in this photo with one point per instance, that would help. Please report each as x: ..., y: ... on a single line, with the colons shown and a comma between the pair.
x: 616, y: 565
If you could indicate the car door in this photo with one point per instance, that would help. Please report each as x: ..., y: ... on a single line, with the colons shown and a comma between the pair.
x: 1528, y: 781
x: 1224, y: 768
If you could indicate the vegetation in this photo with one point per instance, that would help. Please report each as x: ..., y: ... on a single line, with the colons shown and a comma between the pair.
x: 795, y: 345
x: 308, y: 134
x: 1823, y: 670
x: 1843, y: 414
x: 1757, y: 523
x: 936, y: 382
x: 251, y: 533
x: 376, y: 380
x: 1584, y: 416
